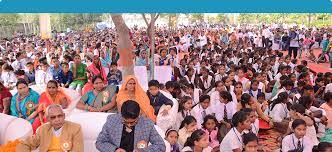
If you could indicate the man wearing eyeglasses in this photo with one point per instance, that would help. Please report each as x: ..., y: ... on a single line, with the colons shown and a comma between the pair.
x: 128, y: 132
x: 57, y: 135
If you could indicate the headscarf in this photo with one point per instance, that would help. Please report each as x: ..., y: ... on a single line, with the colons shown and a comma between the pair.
x: 92, y: 68
x: 140, y: 97
x: 45, y: 99
x: 139, y: 60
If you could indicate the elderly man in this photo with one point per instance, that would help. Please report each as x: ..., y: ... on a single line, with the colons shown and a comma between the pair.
x: 57, y: 135
x: 129, y: 132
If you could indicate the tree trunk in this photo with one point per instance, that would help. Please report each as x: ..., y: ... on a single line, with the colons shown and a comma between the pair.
x: 25, y: 29
x: 169, y: 21
x: 152, y: 50
x: 124, y: 46
x: 309, y: 20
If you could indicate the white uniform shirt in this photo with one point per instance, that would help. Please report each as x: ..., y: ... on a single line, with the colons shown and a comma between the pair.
x: 279, y: 112
x: 199, y: 111
x: 219, y: 110
x: 8, y: 79
x: 290, y: 142
x: 43, y: 77
x: 232, y: 140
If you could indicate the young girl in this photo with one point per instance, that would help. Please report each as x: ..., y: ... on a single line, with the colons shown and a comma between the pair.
x: 233, y: 140
x: 202, y: 109
x: 190, y: 76
x: 253, y: 120
x: 197, y: 142
x: 188, y: 126
x: 206, y: 81
x: 172, y: 136
x: 185, y: 109
x: 297, y: 141
x: 221, y: 73
x: 215, y: 97
x: 190, y: 91
x: 250, y: 142
x: 278, y: 108
x: 248, y: 102
x: 254, y: 91
x: 238, y: 91
x: 8, y: 77
x: 263, y: 103
x: 210, y: 127
x: 44, y: 75
x: 297, y: 111
x: 228, y: 84
x: 163, y: 58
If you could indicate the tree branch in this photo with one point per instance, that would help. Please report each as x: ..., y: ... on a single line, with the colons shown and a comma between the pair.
x: 156, y: 17
x: 146, y: 21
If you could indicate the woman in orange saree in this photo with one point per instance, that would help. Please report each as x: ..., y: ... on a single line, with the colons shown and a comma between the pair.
x: 131, y: 90
x: 52, y: 95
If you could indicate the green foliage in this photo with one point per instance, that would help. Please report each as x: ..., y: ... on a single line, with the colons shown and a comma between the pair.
x: 196, y: 17
x: 9, y: 19
x: 317, y: 20
x: 74, y: 21
x: 222, y: 18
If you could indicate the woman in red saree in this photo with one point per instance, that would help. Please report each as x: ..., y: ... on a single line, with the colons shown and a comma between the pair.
x: 52, y: 95
x: 94, y: 69
x: 5, y: 97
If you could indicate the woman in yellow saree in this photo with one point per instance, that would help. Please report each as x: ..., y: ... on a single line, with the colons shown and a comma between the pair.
x: 131, y: 90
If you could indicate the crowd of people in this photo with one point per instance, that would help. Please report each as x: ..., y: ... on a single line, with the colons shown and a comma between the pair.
x: 232, y: 84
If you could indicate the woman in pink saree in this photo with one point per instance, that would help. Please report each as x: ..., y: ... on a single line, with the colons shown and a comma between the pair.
x: 94, y: 69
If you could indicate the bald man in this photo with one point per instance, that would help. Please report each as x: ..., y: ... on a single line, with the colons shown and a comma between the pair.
x: 56, y: 135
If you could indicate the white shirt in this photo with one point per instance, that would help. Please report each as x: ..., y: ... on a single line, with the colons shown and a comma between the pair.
x: 215, y: 98
x: 277, y: 77
x: 43, y: 77
x: 96, y: 52
x: 290, y: 143
x: 219, y: 110
x: 8, y: 78
x: 219, y: 77
x: 199, y: 111
x: 207, y: 149
x: 207, y: 83
x: 279, y: 112
x: 232, y: 140
x: 58, y: 132
x: 310, y: 133
x: 180, y: 117
x: 244, y: 81
x: 255, y: 127
x: 18, y: 65
x: 203, y: 40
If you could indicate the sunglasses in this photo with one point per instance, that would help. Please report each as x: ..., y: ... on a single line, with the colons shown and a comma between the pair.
x: 57, y: 116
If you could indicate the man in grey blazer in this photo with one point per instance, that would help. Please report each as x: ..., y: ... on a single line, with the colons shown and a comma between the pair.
x: 129, y: 132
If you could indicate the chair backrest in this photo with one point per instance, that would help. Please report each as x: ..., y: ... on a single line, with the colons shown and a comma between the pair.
x: 9, y: 129
x: 163, y: 73
x: 5, y: 121
x: 92, y: 124
x: 13, y: 133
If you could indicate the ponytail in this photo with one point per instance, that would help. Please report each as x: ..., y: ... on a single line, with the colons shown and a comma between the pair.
x: 195, y: 136
x: 281, y: 98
